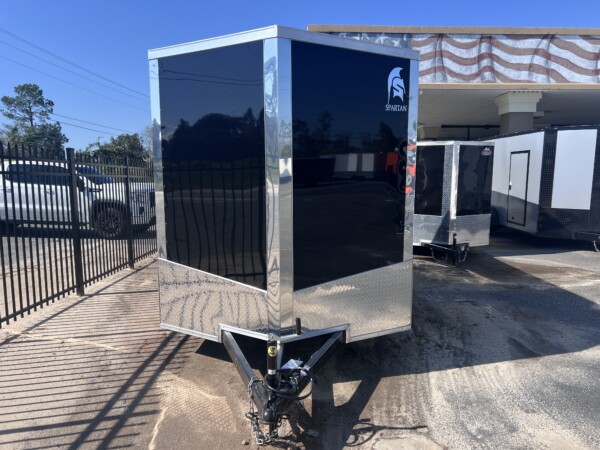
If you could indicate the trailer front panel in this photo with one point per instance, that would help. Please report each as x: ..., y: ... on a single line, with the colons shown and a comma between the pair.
x: 284, y: 185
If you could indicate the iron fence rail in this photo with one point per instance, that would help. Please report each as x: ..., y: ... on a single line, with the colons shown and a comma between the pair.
x: 67, y: 221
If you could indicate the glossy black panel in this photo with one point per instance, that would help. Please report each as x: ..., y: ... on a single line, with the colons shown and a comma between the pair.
x: 350, y: 121
x: 213, y: 161
x: 474, y: 180
x: 429, y: 183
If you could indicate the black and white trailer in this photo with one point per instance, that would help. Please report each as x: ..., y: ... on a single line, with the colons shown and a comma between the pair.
x: 547, y: 182
x: 284, y: 197
x: 453, y: 197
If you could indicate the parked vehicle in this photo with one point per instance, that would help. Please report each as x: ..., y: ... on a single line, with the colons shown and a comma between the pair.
x: 33, y: 192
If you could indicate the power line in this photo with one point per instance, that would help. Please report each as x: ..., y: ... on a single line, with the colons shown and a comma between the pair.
x: 92, y: 123
x: 73, y: 72
x: 86, y: 128
x: 72, y: 84
x: 69, y: 62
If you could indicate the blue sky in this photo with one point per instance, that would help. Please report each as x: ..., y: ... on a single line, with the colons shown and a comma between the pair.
x: 111, y: 38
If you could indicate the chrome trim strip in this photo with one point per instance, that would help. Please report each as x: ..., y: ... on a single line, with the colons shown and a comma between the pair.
x: 208, y: 337
x: 286, y: 225
x: 376, y: 334
x: 411, y: 160
x: 453, y: 189
x: 214, y: 42
x: 437, y: 143
x: 277, y: 31
x: 278, y: 182
x: 161, y: 240
x: 282, y: 339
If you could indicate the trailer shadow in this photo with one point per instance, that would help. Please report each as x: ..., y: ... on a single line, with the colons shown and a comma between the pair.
x: 528, y: 244
x: 88, y: 373
x: 488, y: 311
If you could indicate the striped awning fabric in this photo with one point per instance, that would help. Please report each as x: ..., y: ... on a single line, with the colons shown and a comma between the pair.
x: 496, y: 58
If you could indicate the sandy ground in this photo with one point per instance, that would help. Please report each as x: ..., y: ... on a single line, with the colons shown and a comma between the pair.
x: 504, y: 353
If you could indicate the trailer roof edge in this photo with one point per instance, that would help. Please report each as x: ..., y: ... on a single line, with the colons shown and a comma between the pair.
x: 278, y: 31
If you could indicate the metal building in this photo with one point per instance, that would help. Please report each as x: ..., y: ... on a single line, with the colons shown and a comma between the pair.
x: 480, y: 82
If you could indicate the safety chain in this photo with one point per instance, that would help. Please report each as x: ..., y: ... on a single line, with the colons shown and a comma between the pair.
x: 259, y: 436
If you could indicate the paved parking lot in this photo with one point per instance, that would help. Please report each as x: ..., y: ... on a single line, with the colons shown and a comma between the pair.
x: 504, y: 353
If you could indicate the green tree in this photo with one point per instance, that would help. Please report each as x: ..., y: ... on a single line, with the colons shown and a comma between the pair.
x: 30, y: 113
x: 130, y: 145
x: 146, y: 139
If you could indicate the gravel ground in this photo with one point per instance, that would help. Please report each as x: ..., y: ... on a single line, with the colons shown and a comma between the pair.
x: 504, y: 353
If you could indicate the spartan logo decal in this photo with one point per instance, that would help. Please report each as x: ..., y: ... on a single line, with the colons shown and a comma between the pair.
x: 396, y: 91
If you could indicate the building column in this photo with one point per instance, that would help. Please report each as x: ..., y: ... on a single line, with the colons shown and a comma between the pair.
x: 516, y: 110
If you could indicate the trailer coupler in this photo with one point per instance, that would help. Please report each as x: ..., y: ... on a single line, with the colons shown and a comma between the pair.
x: 269, y: 399
x: 458, y: 251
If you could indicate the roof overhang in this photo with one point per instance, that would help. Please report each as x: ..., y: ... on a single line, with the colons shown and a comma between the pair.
x: 453, y: 30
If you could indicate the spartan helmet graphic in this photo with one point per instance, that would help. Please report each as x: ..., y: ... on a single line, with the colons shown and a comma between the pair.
x: 395, y: 85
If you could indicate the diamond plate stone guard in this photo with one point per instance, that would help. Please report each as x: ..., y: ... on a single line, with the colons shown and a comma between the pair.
x: 197, y: 301
x: 373, y: 303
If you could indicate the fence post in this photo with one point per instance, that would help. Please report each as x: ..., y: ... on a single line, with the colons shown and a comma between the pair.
x: 74, y: 197
x: 128, y: 218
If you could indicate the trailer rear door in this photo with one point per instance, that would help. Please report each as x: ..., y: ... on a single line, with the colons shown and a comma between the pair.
x: 517, y: 187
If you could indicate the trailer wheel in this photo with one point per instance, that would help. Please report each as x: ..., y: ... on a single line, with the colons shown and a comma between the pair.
x: 110, y: 223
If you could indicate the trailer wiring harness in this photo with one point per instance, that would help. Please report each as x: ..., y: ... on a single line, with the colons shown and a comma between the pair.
x: 290, y: 382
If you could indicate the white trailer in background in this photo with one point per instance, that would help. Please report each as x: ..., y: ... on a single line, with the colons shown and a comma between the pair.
x: 547, y: 182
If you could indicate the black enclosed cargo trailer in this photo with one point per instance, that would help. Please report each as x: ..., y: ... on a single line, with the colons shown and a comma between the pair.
x: 284, y: 209
x: 453, y: 196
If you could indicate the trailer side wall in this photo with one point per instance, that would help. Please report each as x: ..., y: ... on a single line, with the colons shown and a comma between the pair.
x: 522, y: 156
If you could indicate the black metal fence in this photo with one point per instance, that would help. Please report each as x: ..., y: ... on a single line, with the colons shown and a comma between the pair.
x: 68, y: 221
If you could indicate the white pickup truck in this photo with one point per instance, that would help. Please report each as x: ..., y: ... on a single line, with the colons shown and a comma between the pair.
x: 38, y: 193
